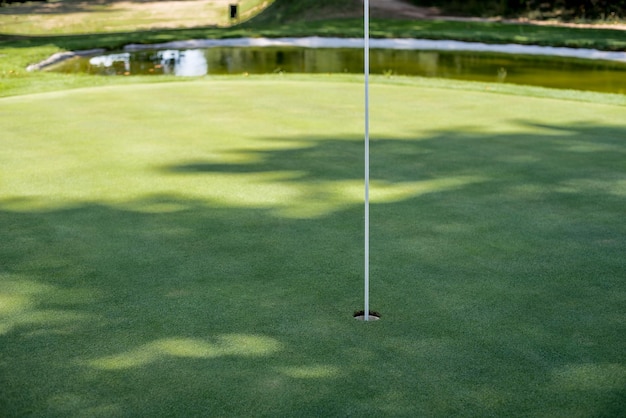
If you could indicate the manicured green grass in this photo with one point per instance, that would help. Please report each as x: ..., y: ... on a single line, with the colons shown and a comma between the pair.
x: 195, y: 249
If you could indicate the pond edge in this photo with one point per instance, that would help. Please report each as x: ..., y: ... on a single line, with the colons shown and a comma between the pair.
x: 325, y: 42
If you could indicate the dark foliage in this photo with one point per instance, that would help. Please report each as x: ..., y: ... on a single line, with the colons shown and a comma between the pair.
x: 6, y: 2
x: 586, y: 9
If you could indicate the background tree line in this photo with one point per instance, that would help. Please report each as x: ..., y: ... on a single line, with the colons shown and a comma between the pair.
x: 560, y: 9
x: 564, y: 9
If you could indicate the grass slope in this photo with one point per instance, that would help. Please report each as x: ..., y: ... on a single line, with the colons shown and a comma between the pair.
x: 281, y: 11
x: 17, y: 52
x: 63, y: 17
x: 28, y: 36
x: 195, y: 249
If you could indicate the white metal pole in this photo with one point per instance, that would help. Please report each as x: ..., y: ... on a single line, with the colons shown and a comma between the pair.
x: 366, y: 50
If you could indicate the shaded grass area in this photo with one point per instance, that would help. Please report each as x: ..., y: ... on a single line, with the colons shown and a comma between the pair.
x: 489, y: 32
x: 185, y: 252
x: 281, y: 11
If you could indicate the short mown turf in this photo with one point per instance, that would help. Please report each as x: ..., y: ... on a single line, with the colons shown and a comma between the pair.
x: 196, y: 249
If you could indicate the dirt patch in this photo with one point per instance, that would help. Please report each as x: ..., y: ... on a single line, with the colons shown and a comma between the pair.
x: 398, y: 9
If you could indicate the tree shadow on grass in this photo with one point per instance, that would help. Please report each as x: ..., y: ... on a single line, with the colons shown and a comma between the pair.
x: 501, y: 293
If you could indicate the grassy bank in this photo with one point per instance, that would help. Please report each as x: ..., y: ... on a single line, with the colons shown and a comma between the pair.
x: 27, y: 36
x: 195, y: 249
x: 17, y: 52
x: 489, y: 32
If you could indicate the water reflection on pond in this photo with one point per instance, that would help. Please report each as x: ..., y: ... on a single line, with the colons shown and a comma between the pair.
x: 557, y: 72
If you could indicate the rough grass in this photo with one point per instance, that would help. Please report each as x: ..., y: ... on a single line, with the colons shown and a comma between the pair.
x: 80, y: 17
x: 281, y: 11
x: 195, y: 249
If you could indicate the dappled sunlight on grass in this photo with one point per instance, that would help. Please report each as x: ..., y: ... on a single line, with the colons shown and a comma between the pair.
x: 323, y: 198
x: 46, y: 321
x: 88, y: 405
x: 383, y: 192
x: 585, y: 146
x: 279, y: 192
x: 311, y: 372
x: 216, y: 266
x: 282, y: 194
x: 16, y: 295
x: 20, y: 309
x: 224, y: 345
x: 615, y: 187
x: 590, y: 376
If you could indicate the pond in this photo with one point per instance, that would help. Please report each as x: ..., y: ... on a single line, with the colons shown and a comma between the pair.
x: 566, y: 72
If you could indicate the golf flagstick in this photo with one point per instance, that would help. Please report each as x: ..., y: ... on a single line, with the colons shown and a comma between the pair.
x: 366, y: 50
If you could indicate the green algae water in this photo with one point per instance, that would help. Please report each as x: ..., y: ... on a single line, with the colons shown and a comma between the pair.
x: 535, y: 70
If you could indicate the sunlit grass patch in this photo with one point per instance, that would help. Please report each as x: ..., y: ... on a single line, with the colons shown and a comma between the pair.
x: 225, y: 345
x: 72, y: 17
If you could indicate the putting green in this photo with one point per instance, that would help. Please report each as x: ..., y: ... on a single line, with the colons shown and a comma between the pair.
x: 196, y: 249
x: 116, y: 145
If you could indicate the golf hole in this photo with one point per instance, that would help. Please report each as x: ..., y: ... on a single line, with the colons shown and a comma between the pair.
x: 360, y: 315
